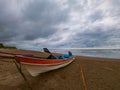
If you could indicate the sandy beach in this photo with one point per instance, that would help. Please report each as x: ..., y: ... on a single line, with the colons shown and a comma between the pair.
x: 99, y: 74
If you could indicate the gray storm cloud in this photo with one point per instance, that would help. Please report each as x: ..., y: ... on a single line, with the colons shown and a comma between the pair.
x: 68, y: 23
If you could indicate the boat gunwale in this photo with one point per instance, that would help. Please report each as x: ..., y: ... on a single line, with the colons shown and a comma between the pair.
x: 37, y: 62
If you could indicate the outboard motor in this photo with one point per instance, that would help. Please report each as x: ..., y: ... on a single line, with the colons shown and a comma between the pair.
x: 46, y: 50
x: 51, y: 56
x: 70, y: 53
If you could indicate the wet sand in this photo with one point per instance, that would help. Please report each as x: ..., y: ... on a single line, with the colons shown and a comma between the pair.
x: 99, y: 74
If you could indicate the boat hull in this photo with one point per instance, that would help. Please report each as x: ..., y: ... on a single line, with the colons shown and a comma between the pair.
x: 40, y: 66
x: 35, y: 70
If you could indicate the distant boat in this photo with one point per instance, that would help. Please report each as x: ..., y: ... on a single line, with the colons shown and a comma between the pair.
x: 36, y: 65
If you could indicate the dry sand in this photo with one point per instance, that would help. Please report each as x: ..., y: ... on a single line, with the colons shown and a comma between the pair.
x: 99, y: 73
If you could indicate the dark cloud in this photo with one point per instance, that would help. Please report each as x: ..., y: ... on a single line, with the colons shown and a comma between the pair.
x: 96, y: 15
x: 44, y: 15
x: 8, y: 21
x: 96, y: 37
x: 39, y: 33
x: 5, y: 35
x: 37, y: 20
x: 45, y: 11
x: 7, y: 31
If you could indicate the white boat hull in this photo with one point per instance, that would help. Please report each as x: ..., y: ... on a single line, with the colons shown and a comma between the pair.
x: 36, y: 69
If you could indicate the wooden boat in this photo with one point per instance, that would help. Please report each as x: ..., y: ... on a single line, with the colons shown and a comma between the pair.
x: 37, y: 65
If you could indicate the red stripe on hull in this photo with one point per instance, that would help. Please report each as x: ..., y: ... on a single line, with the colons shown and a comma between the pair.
x: 30, y: 60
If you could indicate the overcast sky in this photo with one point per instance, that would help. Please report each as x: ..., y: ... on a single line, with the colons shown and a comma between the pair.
x: 34, y: 24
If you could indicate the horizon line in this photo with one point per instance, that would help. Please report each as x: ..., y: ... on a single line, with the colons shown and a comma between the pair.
x: 88, y: 48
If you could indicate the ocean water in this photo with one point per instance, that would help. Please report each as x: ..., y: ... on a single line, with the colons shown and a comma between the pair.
x: 93, y: 53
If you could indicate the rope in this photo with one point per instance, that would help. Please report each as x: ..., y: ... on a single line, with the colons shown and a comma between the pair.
x: 84, y: 85
x: 18, y: 65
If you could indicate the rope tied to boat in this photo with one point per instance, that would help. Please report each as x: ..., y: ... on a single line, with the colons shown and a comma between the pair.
x: 19, y: 67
